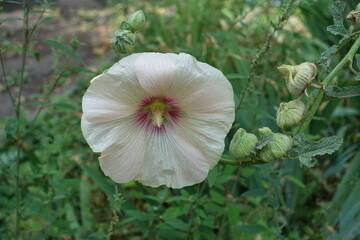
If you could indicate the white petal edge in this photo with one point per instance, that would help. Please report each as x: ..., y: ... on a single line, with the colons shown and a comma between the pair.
x: 122, y: 162
x: 172, y: 161
x: 208, y: 116
x: 101, y: 136
x: 113, y: 94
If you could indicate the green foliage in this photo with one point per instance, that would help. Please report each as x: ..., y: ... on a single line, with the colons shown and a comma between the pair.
x: 308, y: 149
x: 343, y: 92
x: 64, y: 194
x: 338, y: 28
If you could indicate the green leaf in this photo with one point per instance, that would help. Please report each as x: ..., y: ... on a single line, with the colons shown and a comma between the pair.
x: 308, y: 149
x: 344, y: 92
x: 357, y: 57
x: 64, y: 48
x: 325, y: 57
x: 37, y: 55
x: 253, y: 229
x: 9, y: 19
x: 338, y: 27
x: 295, y: 180
x: 177, y: 224
x: 254, y: 193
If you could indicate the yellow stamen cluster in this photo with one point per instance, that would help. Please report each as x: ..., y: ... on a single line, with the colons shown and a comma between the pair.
x: 157, y: 109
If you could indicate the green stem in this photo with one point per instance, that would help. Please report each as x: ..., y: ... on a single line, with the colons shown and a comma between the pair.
x: 347, y: 59
x: 239, y: 163
x: 7, y: 85
x: 18, y: 115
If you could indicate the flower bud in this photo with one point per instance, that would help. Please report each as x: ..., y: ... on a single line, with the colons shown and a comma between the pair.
x: 136, y: 19
x: 298, y: 77
x: 277, y: 147
x: 242, y: 144
x: 123, y: 41
x: 125, y: 26
x: 290, y: 114
x: 354, y: 15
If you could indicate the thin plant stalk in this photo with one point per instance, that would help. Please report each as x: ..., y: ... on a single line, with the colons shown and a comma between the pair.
x: 26, y: 41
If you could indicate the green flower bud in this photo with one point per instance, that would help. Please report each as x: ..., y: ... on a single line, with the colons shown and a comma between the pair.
x: 242, y: 144
x: 123, y: 41
x: 136, y: 19
x: 290, y: 114
x: 298, y: 77
x: 278, y: 146
x: 125, y: 26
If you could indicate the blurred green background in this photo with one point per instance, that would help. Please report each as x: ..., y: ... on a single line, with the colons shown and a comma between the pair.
x: 64, y: 194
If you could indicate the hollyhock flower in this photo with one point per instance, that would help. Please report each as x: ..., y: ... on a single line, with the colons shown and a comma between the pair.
x: 160, y: 119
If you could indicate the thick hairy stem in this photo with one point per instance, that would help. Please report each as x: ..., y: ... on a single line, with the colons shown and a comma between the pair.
x: 346, y: 60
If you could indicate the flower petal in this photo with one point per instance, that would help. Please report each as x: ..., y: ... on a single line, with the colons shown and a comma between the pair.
x: 122, y: 162
x: 114, y: 94
x: 155, y: 73
x: 209, y: 113
x: 172, y: 161
x: 100, y: 136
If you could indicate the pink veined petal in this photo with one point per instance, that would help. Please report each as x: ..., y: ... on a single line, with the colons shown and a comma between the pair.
x: 122, y: 162
x: 114, y: 94
x: 172, y: 161
x: 155, y: 73
x: 100, y: 136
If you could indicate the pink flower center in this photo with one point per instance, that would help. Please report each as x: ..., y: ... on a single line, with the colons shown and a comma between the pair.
x: 157, y: 111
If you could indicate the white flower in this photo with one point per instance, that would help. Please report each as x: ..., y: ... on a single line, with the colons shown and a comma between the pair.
x: 160, y: 119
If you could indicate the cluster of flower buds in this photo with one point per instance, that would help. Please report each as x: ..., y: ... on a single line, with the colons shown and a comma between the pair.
x: 278, y: 146
x: 298, y: 77
x: 289, y: 114
x: 124, y: 40
x: 244, y: 145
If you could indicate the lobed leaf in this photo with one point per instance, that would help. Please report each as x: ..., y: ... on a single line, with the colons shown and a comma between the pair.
x: 308, y: 149
x: 338, y: 27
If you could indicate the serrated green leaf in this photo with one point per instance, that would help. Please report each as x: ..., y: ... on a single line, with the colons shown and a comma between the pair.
x: 264, y: 140
x: 308, y: 149
x: 338, y: 27
x: 344, y: 92
x: 64, y: 48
